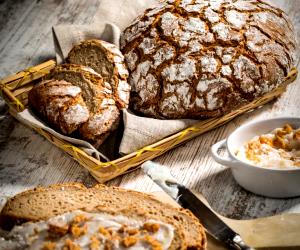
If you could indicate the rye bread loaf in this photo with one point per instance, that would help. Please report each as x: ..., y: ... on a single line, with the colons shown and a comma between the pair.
x: 107, y: 60
x: 42, y: 203
x: 60, y: 103
x: 200, y: 58
x: 104, y: 115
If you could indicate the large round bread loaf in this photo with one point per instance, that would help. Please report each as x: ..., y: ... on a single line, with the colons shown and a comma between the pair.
x: 200, y: 58
x: 43, y: 203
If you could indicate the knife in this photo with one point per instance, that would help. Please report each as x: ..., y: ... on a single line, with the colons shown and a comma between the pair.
x: 183, y: 196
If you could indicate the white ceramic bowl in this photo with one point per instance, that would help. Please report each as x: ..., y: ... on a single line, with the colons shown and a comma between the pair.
x: 272, y: 182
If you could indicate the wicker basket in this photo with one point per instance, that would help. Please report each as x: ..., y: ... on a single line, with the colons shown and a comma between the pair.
x: 15, y: 90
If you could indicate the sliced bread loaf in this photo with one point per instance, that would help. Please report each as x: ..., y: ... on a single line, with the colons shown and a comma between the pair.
x: 43, y: 203
x: 108, y: 61
x: 95, y: 91
x: 97, y: 94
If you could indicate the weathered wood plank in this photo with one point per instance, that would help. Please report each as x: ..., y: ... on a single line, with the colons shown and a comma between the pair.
x: 26, y: 159
x: 26, y: 39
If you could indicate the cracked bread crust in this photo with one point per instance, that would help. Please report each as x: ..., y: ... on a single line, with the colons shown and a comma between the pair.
x: 200, y: 58
x: 107, y: 60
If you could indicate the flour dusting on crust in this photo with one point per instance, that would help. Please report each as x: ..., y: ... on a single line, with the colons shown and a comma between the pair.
x: 201, y: 58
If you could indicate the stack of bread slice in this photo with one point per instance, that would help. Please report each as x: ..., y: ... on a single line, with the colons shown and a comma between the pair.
x: 98, y: 69
x: 62, y: 199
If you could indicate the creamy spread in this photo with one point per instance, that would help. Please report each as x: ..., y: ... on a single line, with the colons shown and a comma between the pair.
x: 83, y: 230
x: 278, y: 149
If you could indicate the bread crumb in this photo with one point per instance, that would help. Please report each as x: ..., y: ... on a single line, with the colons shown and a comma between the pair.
x: 103, y: 231
x: 77, y: 231
x: 265, y: 140
x: 95, y: 243
x: 79, y: 218
x: 129, y: 241
x: 132, y: 231
x: 122, y: 229
x: 49, y: 246
x: 155, y: 245
x: 151, y: 227
x: 58, y: 229
x: 70, y: 245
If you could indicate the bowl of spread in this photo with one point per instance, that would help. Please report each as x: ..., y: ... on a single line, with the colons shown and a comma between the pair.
x: 264, y: 156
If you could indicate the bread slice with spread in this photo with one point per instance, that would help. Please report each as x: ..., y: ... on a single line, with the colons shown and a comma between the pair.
x: 97, y: 229
x: 44, y: 203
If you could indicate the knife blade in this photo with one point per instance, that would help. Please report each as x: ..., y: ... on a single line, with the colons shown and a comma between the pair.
x: 183, y: 196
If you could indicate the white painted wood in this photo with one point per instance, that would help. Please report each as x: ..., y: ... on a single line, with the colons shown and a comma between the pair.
x: 27, y: 160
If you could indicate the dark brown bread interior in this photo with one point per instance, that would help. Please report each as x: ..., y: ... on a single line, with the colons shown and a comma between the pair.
x: 108, y: 61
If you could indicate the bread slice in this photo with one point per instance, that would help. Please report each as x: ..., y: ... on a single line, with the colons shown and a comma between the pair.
x: 60, y: 104
x: 95, y: 91
x: 96, y: 228
x: 97, y: 94
x: 178, y: 241
x: 108, y: 61
x: 42, y: 203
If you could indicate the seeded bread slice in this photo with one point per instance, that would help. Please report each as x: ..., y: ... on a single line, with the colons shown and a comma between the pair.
x: 42, y: 203
x: 97, y: 94
x: 108, y: 61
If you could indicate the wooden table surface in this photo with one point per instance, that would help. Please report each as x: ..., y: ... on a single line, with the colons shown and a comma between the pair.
x: 27, y: 159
